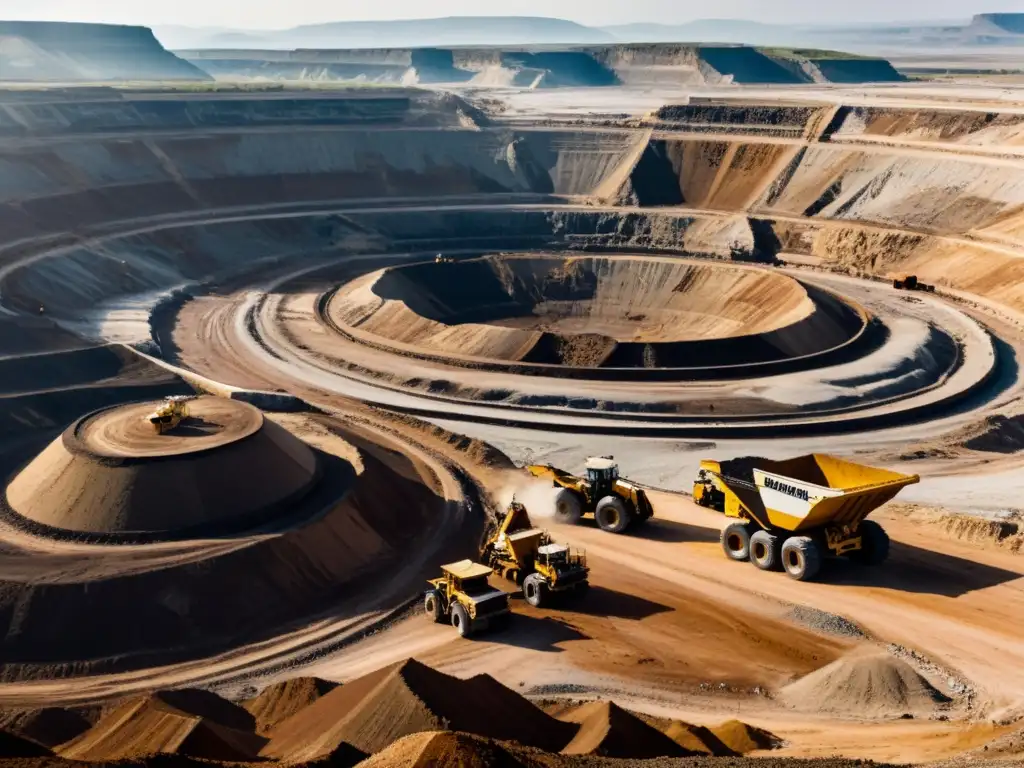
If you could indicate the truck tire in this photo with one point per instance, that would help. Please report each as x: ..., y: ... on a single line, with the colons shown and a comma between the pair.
x: 460, y: 620
x: 432, y: 606
x: 765, y: 551
x: 568, y: 508
x: 613, y: 515
x: 736, y: 541
x: 535, y: 590
x: 874, y: 544
x: 801, y: 557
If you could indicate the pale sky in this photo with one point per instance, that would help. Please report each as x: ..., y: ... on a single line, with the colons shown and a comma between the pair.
x: 281, y: 14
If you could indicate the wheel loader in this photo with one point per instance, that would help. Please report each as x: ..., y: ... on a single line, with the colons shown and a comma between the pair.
x: 616, y: 503
x: 170, y: 414
x: 789, y: 515
x: 528, y: 557
x: 463, y: 596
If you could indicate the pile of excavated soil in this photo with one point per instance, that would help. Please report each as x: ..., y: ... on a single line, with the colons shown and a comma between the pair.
x: 741, y: 738
x: 374, y: 711
x: 442, y: 749
x: 608, y: 730
x: 111, y: 474
x: 590, y: 312
x: 192, y: 723
x: 697, y: 739
x: 864, y: 685
x: 14, y: 746
x: 208, y: 596
x: 49, y: 726
x: 461, y: 750
x: 1007, y: 534
x: 277, y: 702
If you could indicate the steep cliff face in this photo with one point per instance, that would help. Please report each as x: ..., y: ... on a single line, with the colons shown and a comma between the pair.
x: 40, y: 51
x: 644, y: 65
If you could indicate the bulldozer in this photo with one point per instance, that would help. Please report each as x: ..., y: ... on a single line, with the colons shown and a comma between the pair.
x: 789, y: 515
x: 616, y: 503
x: 170, y: 413
x: 528, y: 557
x: 911, y: 283
x: 463, y: 596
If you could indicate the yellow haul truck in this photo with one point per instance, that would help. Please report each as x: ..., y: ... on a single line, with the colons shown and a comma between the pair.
x: 463, y: 596
x: 791, y: 514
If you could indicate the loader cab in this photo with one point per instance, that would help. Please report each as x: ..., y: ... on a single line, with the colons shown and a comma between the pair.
x: 602, y: 472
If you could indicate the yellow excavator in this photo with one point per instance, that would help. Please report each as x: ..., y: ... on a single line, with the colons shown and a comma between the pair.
x: 170, y: 413
x: 528, y: 557
x: 616, y: 503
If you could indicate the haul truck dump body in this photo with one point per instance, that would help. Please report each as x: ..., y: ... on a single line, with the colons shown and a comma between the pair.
x: 805, y: 507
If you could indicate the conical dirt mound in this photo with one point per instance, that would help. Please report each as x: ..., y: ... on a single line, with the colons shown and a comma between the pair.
x: 608, y: 730
x: 875, y: 685
x: 188, y: 723
x: 277, y: 702
x: 741, y: 738
x: 697, y: 739
x: 446, y: 750
x: 49, y: 726
x: 14, y: 746
x: 110, y: 476
x: 374, y: 711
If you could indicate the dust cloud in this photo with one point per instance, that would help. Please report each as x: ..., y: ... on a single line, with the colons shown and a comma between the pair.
x: 537, y: 495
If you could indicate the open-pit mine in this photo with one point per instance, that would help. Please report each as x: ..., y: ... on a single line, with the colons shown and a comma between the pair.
x: 373, y: 306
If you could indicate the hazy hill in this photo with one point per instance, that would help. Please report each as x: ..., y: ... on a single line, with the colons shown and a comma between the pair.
x: 452, y: 31
x: 58, y: 51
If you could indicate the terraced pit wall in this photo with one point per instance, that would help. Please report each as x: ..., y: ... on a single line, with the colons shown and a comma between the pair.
x: 872, y: 194
x: 663, y: 64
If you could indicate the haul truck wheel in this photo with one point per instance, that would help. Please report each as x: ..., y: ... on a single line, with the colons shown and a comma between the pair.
x: 460, y: 620
x: 612, y: 515
x: 736, y: 541
x: 568, y: 509
x: 801, y: 557
x: 432, y: 606
x: 535, y: 591
x: 765, y: 551
x: 874, y: 544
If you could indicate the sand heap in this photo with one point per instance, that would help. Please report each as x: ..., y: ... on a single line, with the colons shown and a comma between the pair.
x: 697, y: 740
x: 589, y: 312
x: 190, y: 722
x: 110, y: 475
x: 439, y: 749
x: 49, y: 726
x: 864, y: 685
x: 14, y: 746
x: 277, y: 702
x: 610, y: 731
x: 741, y: 738
x: 374, y: 711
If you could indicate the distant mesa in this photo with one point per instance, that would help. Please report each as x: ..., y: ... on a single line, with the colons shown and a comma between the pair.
x: 111, y: 475
x: 39, y: 51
